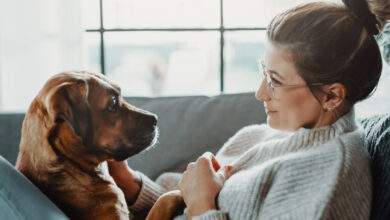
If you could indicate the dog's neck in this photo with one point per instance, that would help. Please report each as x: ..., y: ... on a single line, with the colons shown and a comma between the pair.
x: 72, y: 149
x: 88, y: 165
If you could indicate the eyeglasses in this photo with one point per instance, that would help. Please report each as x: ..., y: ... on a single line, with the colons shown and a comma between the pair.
x: 273, y: 85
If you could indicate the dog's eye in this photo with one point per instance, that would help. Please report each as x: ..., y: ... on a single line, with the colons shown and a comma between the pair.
x: 113, y: 106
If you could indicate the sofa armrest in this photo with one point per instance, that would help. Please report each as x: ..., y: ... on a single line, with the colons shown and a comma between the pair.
x: 20, y: 199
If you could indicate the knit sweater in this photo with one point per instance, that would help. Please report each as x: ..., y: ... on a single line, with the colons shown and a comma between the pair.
x: 320, y: 173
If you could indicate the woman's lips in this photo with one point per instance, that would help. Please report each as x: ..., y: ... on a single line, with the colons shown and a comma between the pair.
x: 267, y: 111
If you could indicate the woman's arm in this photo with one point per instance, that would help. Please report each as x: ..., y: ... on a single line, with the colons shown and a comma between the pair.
x: 140, y: 191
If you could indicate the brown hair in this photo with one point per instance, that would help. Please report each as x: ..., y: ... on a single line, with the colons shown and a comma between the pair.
x: 332, y: 43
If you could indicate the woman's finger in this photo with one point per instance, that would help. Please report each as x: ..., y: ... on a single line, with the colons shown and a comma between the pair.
x: 216, y: 164
x: 190, y: 165
x: 210, y: 157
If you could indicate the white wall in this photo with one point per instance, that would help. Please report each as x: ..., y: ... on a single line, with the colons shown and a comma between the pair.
x: 38, y: 39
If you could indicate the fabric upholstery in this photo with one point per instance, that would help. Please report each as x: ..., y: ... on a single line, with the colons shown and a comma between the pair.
x: 10, y: 126
x: 20, y: 199
x: 377, y: 141
x: 190, y: 126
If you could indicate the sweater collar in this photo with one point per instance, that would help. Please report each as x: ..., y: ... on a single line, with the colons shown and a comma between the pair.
x: 344, y: 124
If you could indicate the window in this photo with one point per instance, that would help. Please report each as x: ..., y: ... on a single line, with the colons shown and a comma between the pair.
x: 179, y: 47
x: 152, y: 48
x: 37, y: 39
x: 188, y: 47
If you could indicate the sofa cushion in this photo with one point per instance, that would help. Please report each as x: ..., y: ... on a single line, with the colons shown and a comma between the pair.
x: 190, y: 126
x: 377, y: 142
x: 10, y: 126
x: 20, y: 199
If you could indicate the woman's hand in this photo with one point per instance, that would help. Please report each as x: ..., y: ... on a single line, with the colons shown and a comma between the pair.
x: 201, y: 183
x: 126, y: 179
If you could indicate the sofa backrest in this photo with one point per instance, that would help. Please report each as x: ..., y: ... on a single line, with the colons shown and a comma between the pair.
x: 190, y: 126
x: 377, y: 142
x: 10, y: 126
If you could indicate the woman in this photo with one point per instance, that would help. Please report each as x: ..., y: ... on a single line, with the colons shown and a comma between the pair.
x: 308, y: 162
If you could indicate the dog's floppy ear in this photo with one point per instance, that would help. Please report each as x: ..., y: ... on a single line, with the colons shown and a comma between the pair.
x: 52, y: 114
x: 67, y: 108
x: 68, y: 103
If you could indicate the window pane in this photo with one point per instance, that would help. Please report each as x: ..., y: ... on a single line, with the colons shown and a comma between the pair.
x: 38, y: 39
x: 163, y: 63
x: 90, y: 14
x: 242, y: 52
x: 91, y: 43
x: 256, y: 13
x: 152, y: 13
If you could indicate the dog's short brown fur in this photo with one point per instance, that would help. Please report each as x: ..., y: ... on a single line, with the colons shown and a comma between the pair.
x: 76, y: 122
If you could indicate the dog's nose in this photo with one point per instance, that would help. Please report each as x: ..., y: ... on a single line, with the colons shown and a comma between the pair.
x: 150, y: 119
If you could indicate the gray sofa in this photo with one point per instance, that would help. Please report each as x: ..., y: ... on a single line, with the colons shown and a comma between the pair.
x: 188, y: 126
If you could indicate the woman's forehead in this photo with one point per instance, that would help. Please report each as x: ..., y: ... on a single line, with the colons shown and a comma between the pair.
x: 280, y: 60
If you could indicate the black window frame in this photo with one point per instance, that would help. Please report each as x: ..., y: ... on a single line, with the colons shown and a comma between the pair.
x: 221, y: 29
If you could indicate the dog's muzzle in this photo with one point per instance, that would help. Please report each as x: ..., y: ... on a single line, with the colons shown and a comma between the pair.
x: 140, y: 142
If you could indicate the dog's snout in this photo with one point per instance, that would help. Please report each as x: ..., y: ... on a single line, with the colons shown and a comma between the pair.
x: 150, y: 119
x: 143, y: 118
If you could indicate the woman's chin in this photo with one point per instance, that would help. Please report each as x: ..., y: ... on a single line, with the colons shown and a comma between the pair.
x: 276, y: 124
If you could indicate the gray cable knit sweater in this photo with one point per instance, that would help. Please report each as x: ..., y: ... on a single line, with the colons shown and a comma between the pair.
x: 320, y: 173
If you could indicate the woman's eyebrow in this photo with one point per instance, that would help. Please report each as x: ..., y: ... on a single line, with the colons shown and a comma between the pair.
x: 277, y: 74
x: 272, y: 71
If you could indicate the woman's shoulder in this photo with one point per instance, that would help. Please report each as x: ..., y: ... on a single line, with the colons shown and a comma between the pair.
x: 353, y: 150
x: 341, y: 153
x: 346, y: 152
x: 349, y: 146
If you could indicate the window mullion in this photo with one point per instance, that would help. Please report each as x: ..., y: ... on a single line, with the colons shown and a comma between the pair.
x: 222, y: 42
x: 102, y: 49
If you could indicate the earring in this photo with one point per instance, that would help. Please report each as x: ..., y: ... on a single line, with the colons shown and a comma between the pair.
x: 328, y: 108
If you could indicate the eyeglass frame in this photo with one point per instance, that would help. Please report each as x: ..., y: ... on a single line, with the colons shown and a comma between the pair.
x: 271, y: 87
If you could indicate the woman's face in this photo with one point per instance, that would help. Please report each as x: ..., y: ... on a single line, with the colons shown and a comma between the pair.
x: 287, y: 108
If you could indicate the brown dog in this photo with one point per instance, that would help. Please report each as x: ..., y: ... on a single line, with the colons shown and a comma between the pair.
x: 76, y: 122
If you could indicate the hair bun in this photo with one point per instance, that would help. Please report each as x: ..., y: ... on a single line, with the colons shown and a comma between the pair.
x: 370, y: 23
x: 360, y: 9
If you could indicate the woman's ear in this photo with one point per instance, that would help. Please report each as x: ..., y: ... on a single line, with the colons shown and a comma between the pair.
x: 334, y: 97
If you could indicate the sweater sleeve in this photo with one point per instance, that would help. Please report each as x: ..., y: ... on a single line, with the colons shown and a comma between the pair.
x: 150, y: 191
x: 212, y: 215
x: 240, y: 143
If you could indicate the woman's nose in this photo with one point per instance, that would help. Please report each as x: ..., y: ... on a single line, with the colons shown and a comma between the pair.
x: 262, y: 93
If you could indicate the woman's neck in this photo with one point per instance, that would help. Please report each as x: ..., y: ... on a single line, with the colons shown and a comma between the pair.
x: 327, y: 118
